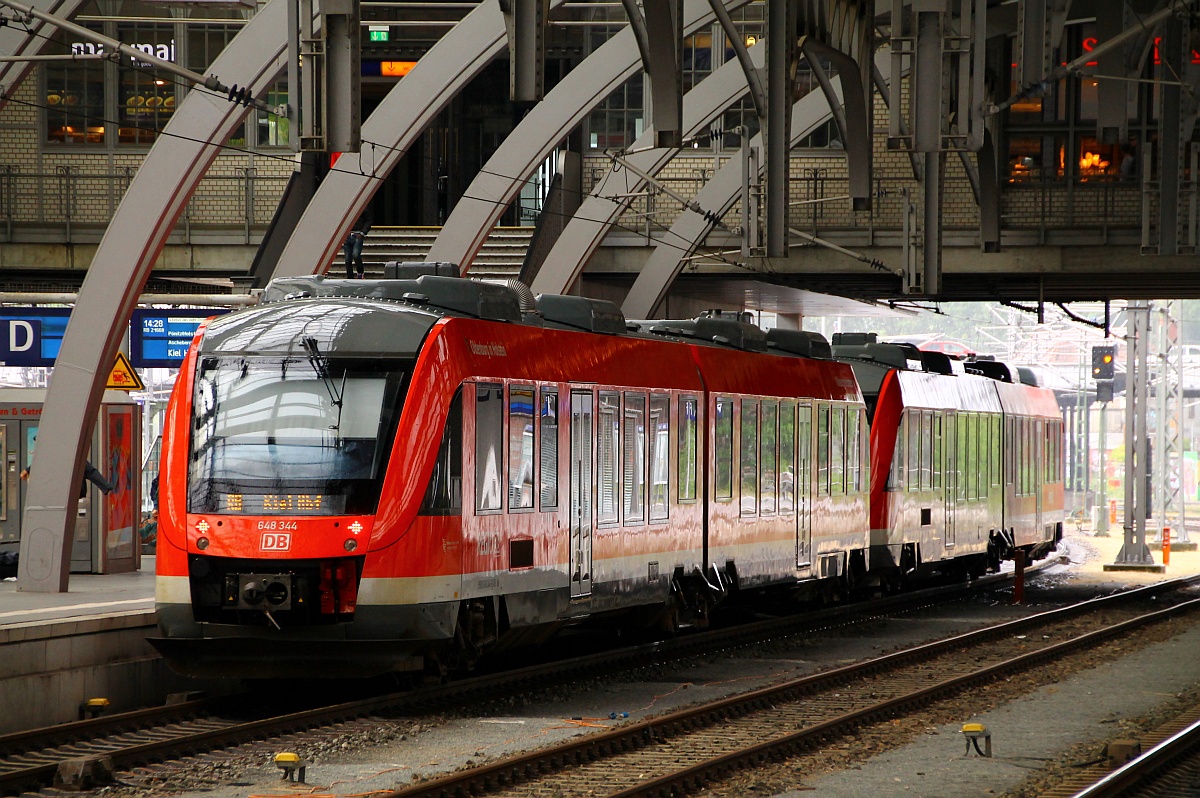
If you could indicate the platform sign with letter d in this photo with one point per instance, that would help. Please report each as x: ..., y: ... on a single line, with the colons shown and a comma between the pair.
x: 31, y: 337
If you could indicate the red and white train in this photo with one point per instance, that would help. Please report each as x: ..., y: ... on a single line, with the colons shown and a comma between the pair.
x: 370, y: 476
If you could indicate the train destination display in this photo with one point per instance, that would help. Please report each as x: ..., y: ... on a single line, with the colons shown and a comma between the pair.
x: 160, y: 338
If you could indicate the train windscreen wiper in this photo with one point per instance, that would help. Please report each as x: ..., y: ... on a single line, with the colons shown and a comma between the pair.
x: 320, y: 364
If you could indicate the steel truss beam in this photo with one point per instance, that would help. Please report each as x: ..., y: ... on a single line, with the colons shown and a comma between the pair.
x: 842, y: 32
x: 136, y: 235
x: 657, y: 32
x: 1168, y: 461
x: 396, y: 125
x: 546, y: 125
x: 29, y: 39
x: 525, y: 26
x: 1134, y: 551
x: 606, y: 203
x: 718, y: 196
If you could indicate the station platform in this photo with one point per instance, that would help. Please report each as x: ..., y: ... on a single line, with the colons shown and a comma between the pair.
x: 88, y: 596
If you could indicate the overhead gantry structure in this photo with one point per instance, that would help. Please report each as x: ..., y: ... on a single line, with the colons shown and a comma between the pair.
x: 932, y: 71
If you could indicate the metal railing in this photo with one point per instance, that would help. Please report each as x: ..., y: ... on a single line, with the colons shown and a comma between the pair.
x: 70, y: 202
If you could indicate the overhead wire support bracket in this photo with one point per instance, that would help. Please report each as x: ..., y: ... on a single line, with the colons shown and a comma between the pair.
x: 1099, y: 325
x: 210, y: 82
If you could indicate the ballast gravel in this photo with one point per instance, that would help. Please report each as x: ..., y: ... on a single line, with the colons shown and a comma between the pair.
x: 374, y: 755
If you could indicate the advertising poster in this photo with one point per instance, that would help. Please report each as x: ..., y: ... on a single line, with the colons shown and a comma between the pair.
x: 119, y: 504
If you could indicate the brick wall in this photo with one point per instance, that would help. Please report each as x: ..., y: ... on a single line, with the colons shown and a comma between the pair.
x: 58, y: 186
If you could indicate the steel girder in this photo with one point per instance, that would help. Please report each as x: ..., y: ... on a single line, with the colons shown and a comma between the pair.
x: 547, y: 124
x: 660, y: 42
x: 525, y: 25
x: 157, y: 196
x: 842, y: 32
x: 717, y: 197
x: 607, y: 199
x: 396, y: 124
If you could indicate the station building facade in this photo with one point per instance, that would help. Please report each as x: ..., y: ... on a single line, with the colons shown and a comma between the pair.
x: 75, y: 131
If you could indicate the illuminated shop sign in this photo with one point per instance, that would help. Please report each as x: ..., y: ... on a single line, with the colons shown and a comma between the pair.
x: 165, y: 52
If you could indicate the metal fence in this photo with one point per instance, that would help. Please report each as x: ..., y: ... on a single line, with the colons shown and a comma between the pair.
x: 73, y: 202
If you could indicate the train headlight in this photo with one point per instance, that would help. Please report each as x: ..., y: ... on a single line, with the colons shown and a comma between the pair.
x: 350, y: 545
x: 202, y: 543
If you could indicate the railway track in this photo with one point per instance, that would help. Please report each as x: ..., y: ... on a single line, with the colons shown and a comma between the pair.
x: 679, y: 753
x: 31, y: 760
x: 1169, y: 767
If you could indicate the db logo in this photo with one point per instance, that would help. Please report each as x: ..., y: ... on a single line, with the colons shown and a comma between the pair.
x: 276, y: 541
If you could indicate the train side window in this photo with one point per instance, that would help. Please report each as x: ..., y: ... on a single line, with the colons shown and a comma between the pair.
x: 804, y: 455
x: 964, y: 456
x: 520, y: 447
x: 896, y: 475
x: 444, y: 494
x: 768, y: 458
x: 548, y: 451
x: 660, y: 458
x: 608, y: 443
x: 489, y: 447
x: 787, y: 456
x: 914, y: 448
x: 854, y: 470
x: 1026, y: 451
x: 926, y: 450
x: 938, y: 456
x: 971, y: 454
x: 998, y: 449
x: 823, y: 450
x: 985, y: 446
x: 723, y: 434
x: 634, y: 458
x: 837, y: 451
x: 975, y: 463
x: 687, y: 448
x: 748, y: 457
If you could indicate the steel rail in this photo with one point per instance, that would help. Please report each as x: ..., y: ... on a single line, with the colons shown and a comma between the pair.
x: 521, y: 767
x: 44, y: 744
x: 1150, y: 764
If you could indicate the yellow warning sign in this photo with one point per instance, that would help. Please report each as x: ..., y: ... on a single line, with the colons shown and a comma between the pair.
x: 123, y: 377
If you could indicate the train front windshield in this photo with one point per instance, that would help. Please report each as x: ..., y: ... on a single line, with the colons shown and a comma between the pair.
x: 292, y: 435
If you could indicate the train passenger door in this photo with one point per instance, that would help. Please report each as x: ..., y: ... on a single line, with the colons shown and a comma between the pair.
x: 952, y: 477
x: 581, y: 493
x: 803, y: 485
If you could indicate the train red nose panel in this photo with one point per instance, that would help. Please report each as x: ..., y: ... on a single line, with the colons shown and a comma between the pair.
x: 269, y: 537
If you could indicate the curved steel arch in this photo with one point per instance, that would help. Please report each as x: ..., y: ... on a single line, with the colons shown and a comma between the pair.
x: 28, y: 40
x: 392, y: 128
x: 600, y: 211
x: 718, y: 195
x: 157, y: 196
x: 584, y: 87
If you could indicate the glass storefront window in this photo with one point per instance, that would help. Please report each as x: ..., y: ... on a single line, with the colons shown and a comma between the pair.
x: 74, y: 98
x: 1098, y: 161
x: 145, y: 99
x: 126, y: 102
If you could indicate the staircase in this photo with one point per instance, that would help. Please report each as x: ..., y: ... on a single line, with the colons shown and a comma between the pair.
x: 499, y: 259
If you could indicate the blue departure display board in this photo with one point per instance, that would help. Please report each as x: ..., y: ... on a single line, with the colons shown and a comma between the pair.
x: 31, y: 336
x: 160, y: 338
